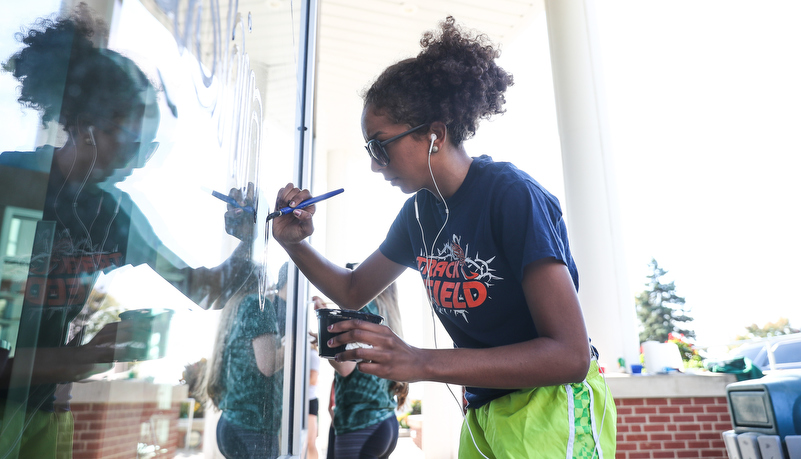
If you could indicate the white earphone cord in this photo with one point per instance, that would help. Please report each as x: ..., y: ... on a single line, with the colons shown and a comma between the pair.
x: 431, y: 302
x: 428, y: 279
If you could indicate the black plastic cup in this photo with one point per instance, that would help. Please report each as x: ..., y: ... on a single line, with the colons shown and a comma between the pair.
x: 326, y: 317
x: 150, y: 338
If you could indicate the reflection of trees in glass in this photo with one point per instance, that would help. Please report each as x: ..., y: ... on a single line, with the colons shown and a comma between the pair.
x: 100, y: 309
x: 194, y: 377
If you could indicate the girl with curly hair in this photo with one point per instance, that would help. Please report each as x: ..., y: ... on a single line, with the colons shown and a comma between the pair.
x: 491, y: 246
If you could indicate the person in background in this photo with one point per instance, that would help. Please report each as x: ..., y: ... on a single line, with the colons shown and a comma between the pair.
x: 314, y: 402
x: 245, y: 373
x: 331, y: 432
x: 491, y: 246
x: 364, y: 421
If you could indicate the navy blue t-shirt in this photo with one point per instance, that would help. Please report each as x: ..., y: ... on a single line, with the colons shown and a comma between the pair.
x: 500, y: 220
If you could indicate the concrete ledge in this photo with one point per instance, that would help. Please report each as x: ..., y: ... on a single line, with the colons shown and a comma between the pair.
x: 671, y: 385
x: 128, y: 391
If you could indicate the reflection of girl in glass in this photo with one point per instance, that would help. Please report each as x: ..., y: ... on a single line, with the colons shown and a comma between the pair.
x: 108, y: 113
x: 245, y: 377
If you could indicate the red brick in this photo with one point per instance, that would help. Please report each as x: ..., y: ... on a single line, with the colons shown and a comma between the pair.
x: 637, y: 437
x: 697, y: 444
x: 705, y: 400
x: 713, y: 453
x: 707, y: 418
x: 687, y: 453
x: 661, y: 437
x: 709, y: 436
x: 663, y: 454
x: 681, y: 401
x: 90, y: 415
x: 689, y: 428
x: 656, y: 401
x: 716, y: 409
x: 645, y: 410
x: 640, y: 455
x: 692, y: 409
x: 654, y: 427
x: 658, y: 418
x: 683, y: 418
x: 634, y: 419
x: 675, y: 445
x: 633, y: 402
x: 672, y: 427
x: 89, y: 434
x: 635, y: 428
x: 622, y: 428
x: 650, y: 445
x: 686, y: 436
x: 624, y: 411
x: 721, y: 426
x: 622, y: 446
x: 669, y: 409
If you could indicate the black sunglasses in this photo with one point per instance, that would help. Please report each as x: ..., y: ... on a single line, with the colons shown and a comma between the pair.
x: 376, y: 148
x: 131, y: 143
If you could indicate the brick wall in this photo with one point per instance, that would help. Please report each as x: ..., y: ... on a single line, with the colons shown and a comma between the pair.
x: 688, y: 427
x: 113, y: 430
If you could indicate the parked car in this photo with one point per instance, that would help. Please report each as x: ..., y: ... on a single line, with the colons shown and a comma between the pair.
x: 786, y: 350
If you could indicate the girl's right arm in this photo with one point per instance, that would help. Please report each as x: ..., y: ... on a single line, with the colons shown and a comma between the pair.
x: 350, y: 289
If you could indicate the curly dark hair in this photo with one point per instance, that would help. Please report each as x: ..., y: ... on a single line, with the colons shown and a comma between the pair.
x: 454, y: 80
x: 69, y: 79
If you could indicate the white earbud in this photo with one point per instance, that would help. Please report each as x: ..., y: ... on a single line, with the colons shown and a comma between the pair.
x: 432, y: 148
x: 91, y: 139
x: 433, y: 137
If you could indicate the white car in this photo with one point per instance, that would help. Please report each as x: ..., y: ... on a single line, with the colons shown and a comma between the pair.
x: 785, y: 351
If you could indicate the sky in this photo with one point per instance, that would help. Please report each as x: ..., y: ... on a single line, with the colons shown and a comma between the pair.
x: 703, y: 101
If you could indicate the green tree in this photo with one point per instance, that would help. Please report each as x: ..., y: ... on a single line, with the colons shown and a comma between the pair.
x: 660, y: 310
x: 780, y: 327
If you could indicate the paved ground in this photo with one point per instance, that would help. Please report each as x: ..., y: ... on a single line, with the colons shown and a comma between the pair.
x: 406, y: 449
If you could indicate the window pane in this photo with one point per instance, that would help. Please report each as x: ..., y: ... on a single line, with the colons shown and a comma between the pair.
x: 140, y: 306
x: 789, y: 352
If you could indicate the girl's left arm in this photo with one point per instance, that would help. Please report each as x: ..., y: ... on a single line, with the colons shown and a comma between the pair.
x: 559, y: 355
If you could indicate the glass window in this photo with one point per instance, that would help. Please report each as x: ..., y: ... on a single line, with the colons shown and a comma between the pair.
x: 787, y: 352
x: 142, y: 309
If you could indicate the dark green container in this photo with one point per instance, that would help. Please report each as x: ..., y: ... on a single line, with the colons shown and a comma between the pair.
x: 326, y: 317
x: 149, y: 341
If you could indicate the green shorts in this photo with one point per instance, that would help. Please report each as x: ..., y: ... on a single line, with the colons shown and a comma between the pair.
x: 566, y: 421
x: 36, y: 434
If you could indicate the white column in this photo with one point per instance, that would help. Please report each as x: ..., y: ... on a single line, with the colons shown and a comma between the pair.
x: 590, y: 189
